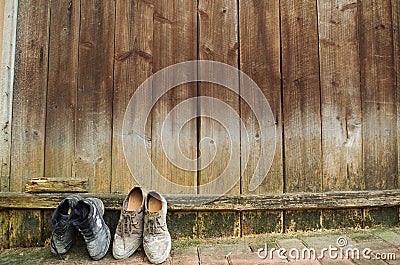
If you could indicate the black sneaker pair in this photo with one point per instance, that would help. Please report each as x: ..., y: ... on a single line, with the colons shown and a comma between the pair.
x: 86, y: 216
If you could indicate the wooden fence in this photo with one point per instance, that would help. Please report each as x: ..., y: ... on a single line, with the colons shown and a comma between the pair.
x: 329, y: 70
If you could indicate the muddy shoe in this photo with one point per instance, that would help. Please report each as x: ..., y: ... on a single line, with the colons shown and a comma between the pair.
x: 63, y: 232
x: 156, y: 238
x: 129, y: 234
x: 88, y: 219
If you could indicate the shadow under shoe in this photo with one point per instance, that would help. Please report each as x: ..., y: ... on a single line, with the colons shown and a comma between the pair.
x: 129, y: 233
x: 88, y: 219
x: 63, y: 232
x: 156, y: 238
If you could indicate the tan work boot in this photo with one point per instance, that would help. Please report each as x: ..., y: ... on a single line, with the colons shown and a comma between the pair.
x: 156, y: 238
x: 129, y: 232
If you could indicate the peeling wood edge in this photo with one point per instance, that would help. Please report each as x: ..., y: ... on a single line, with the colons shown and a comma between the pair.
x: 287, y: 201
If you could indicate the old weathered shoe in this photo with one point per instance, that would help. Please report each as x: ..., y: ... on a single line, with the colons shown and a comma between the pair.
x: 129, y: 234
x: 63, y: 232
x: 88, y: 219
x: 156, y: 238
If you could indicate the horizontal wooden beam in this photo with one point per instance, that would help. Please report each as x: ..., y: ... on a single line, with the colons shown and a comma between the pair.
x: 287, y: 201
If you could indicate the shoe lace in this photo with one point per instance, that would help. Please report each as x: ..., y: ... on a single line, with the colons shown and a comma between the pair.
x: 130, y: 224
x: 154, y: 224
x: 53, y: 245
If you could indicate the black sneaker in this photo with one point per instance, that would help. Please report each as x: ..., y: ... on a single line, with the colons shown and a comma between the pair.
x: 88, y: 219
x: 63, y: 232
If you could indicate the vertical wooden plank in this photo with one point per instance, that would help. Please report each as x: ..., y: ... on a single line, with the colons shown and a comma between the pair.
x: 396, y: 55
x: 94, y: 98
x: 2, y: 4
x: 378, y: 95
x: 340, y: 95
x: 30, y: 85
x: 218, y: 41
x: 301, y: 96
x: 396, y: 45
x: 133, y: 64
x: 260, y: 59
x: 4, y: 229
x: 8, y: 22
x: 62, y: 86
x: 175, y: 40
x: 25, y: 228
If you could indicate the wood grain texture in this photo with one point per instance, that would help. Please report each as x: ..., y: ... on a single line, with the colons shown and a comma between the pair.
x: 179, y: 202
x: 218, y: 41
x: 8, y: 24
x: 300, y: 221
x: 4, y: 229
x: 378, y: 92
x: 175, y: 40
x: 396, y: 56
x: 43, y: 185
x: 340, y: 95
x: 25, y: 228
x: 30, y: 85
x: 62, y: 89
x: 301, y: 96
x: 94, y: 98
x: 133, y: 64
x: 260, y: 59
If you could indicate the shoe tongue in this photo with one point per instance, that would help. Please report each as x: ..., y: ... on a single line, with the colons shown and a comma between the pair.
x: 82, y: 210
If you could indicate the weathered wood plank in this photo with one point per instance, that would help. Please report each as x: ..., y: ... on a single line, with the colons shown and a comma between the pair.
x: 30, y: 85
x: 340, y: 95
x: 261, y: 222
x: 287, y: 201
x: 43, y: 185
x: 8, y: 24
x: 4, y: 229
x: 133, y: 64
x: 218, y: 224
x: 175, y: 40
x: 95, y: 86
x: 260, y: 59
x: 62, y: 89
x: 298, y: 221
x: 342, y: 218
x: 218, y: 41
x: 182, y: 225
x: 375, y: 217
x: 396, y: 55
x: 378, y: 95
x: 301, y: 96
x: 25, y: 228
